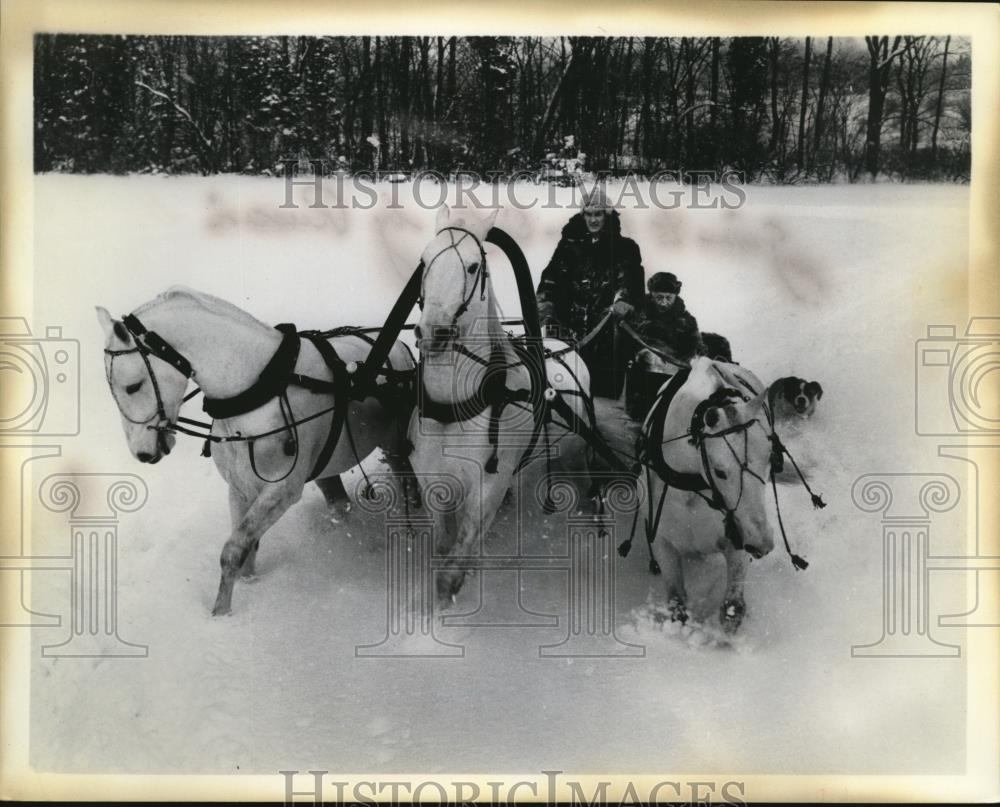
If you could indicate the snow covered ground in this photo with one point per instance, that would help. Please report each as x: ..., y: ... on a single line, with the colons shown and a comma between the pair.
x: 828, y: 283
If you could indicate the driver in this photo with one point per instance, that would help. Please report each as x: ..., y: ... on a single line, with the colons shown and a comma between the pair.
x: 595, y: 278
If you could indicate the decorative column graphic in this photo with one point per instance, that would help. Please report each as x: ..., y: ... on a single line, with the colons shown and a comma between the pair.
x: 590, y: 606
x: 409, y: 578
x: 905, y: 502
x: 15, y: 607
x: 985, y: 611
x: 94, y: 502
x: 412, y: 566
x: 498, y: 585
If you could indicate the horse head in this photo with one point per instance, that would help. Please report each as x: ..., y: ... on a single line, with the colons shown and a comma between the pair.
x: 147, y: 390
x: 455, y: 284
x: 730, y: 447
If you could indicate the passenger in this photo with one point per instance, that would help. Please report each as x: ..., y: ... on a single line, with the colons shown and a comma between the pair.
x: 667, y: 333
x: 664, y: 322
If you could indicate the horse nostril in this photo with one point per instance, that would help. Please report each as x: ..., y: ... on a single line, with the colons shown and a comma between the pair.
x: 417, y: 332
x: 144, y: 456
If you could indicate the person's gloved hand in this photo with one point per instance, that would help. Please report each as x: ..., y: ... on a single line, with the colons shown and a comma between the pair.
x: 621, y: 309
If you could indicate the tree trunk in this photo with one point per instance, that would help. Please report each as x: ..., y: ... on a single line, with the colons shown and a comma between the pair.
x: 552, y: 106
x: 880, y: 59
x: 439, y: 80
x: 643, y: 130
x: 940, y: 100
x: 803, y: 104
x: 713, y: 96
x: 776, y: 128
x: 689, y: 105
x: 824, y: 88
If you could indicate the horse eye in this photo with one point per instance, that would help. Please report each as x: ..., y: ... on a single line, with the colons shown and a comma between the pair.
x: 132, y: 389
x: 473, y: 268
x: 721, y: 474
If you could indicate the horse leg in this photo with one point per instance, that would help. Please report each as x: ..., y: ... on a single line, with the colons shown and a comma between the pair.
x: 733, y: 606
x: 238, y: 505
x: 262, y: 513
x: 470, y: 527
x: 673, y: 576
x: 397, y: 457
x: 337, y: 500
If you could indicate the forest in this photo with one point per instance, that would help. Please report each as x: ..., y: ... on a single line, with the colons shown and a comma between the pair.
x: 780, y: 110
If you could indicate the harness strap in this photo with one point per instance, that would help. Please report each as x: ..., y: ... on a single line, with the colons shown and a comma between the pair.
x: 340, y: 386
x: 272, y: 382
x: 651, y: 440
x: 364, y: 378
x: 155, y: 344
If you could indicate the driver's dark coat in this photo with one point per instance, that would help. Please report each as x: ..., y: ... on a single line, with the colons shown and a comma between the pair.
x: 585, y: 276
x: 582, y: 281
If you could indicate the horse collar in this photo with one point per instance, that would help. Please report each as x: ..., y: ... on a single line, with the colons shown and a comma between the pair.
x: 651, y: 437
x: 490, y: 392
x: 272, y: 381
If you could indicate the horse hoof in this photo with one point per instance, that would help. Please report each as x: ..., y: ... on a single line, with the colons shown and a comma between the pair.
x: 677, y: 611
x: 732, y: 615
x: 220, y: 610
x: 339, y: 512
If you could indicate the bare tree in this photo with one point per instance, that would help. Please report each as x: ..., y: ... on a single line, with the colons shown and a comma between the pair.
x: 803, y: 104
x: 880, y: 59
x: 940, y: 99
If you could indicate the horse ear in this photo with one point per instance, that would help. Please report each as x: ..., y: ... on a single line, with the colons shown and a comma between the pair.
x: 106, y: 320
x: 489, y: 221
x: 443, y: 217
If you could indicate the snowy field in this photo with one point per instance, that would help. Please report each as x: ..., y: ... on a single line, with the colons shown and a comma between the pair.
x: 829, y: 283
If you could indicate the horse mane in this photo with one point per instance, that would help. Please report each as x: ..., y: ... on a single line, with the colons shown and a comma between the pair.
x: 207, y: 301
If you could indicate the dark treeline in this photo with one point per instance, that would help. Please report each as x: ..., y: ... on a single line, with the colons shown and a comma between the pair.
x: 779, y: 109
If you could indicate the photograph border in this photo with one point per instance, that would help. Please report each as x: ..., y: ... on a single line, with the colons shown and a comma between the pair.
x: 20, y: 20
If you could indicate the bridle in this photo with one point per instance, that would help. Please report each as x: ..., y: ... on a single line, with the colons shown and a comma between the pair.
x: 148, y: 343
x: 651, y: 456
x: 699, y: 438
x: 478, y: 271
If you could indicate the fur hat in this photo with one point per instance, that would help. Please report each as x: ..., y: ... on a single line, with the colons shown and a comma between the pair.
x: 664, y: 282
x: 597, y: 200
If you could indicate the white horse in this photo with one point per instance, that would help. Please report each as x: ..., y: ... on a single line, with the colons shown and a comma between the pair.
x: 150, y: 356
x: 709, y: 431
x: 467, y: 362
